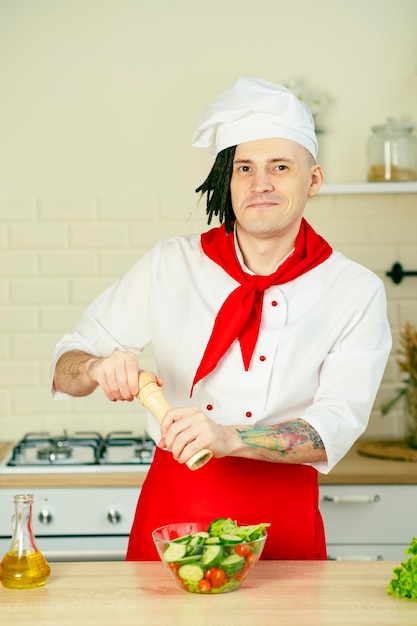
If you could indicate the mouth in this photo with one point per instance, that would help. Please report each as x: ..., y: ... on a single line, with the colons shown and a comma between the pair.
x: 261, y: 205
x: 261, y: 202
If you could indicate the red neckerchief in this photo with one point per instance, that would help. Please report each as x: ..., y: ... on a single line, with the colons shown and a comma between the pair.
x: 240, y: 314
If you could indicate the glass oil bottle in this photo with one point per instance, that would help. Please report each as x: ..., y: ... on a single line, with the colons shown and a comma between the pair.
x: 23, y: 566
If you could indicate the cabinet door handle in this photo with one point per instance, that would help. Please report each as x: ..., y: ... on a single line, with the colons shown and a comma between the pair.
x: 355, y: 558
x: 352, y: 499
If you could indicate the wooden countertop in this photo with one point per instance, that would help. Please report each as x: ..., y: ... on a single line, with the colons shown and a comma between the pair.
x: 358, y: 469
x: 294, y: 593
x: 354, y: 468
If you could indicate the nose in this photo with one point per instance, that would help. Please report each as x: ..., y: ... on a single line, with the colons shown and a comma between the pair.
x: 262, y: 181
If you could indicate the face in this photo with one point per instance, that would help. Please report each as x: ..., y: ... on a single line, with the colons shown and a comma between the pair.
x: 271, y: 182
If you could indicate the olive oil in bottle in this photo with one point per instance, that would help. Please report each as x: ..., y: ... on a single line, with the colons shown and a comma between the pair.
x: 23, y: 566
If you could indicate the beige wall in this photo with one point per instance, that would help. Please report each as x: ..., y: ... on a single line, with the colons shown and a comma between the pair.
x: 99, y: 99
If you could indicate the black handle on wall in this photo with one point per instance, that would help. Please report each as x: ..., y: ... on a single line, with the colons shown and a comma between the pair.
x: 397, y: 273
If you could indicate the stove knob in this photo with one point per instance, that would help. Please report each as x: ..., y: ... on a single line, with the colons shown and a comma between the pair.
x: 45, y: 517
x: 114, y: 516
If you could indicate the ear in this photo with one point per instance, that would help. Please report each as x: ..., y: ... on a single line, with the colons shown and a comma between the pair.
x: 316, y: 180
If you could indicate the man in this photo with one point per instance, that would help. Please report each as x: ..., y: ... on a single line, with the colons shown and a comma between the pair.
x: 270, y: 345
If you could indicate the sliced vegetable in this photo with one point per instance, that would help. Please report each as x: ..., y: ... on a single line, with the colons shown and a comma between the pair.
x: 184, y: 539
x: 211, y: 556
x: 174, y: 552
x: 191, y: 573
x: 203, y: 534
x: 232, y: 564
x: 191, y: 558
x: 212, y: 540
x: 195, y: 545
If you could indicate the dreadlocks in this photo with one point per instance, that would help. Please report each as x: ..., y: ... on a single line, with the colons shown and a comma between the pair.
x: 217, y: 188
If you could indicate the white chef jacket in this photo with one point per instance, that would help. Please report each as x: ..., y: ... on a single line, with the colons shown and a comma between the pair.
x: 321, y: 352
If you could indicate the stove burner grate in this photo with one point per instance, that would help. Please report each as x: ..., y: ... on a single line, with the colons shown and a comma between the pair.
x: 54, y: 453
x: 82, y: 448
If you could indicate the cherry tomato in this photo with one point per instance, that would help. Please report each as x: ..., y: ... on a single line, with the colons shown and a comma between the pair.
x: 208, y: 573
x: 218, y: 577
x: 243, y: 572
x: 174, y: 566
x: 204, y: 585
x: 242, y: 549
x: 251, y: 558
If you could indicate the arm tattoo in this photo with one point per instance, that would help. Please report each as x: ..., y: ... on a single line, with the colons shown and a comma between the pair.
x: 281, y: 437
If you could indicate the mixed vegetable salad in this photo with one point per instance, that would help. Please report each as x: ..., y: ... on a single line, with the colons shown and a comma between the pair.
x: 215, y: 560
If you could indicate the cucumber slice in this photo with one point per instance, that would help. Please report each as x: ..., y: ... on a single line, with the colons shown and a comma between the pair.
x: 175, y: 552
x: 196, y: 540
x: 188, y: 559
x: 230, y: 538
x: 212, y: 540
x: 232, y: 564
x: 202, y: 533
x: 211, y: 556
x: 194, y: 550
x: 191, y: 573
x: 183, y: 539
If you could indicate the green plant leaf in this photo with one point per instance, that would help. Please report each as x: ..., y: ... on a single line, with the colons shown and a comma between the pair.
x: 386, y: 408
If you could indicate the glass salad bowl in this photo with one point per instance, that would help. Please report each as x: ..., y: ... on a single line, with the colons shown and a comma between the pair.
x: 210, y: 558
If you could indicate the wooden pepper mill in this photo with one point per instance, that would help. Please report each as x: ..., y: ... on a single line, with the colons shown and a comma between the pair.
x: 152, y: 397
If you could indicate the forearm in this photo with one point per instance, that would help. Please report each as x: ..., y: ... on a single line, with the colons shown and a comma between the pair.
x: 72, y: 373
x: 294, y: 441
x: 186, y: 430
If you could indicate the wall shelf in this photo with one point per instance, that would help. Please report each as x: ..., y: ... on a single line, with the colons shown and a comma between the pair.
x: 368, y: 188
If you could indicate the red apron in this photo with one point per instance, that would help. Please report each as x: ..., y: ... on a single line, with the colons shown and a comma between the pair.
x: 248, y: 491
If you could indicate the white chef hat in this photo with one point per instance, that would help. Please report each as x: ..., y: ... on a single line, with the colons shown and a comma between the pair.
x: 255, y: 109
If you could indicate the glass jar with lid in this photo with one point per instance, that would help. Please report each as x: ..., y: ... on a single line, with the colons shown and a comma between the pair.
x: 392, y: 152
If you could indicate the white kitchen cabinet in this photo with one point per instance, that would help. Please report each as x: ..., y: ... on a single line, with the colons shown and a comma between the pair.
x: 371, y: 521
x: 75, y: 523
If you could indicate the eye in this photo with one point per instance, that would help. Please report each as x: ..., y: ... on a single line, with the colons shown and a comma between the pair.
x: 281, y: 167
x: 243, y: 168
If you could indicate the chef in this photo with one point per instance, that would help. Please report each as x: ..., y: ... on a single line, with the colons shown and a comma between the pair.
x: 269, y: 345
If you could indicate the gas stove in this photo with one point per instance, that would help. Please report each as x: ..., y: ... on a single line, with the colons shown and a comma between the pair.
x: 118, y: 451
